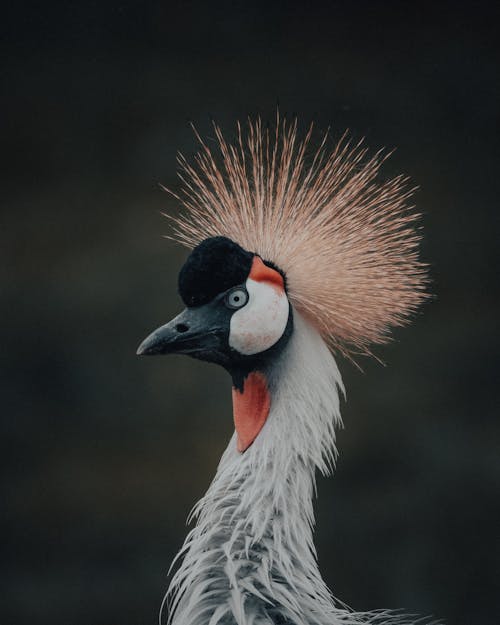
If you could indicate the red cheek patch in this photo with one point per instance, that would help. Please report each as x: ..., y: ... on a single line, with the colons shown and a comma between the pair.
x: 250, y: 409
x: 260, y: 272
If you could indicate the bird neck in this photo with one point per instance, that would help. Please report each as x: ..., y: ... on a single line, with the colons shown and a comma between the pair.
x: 252, y: 550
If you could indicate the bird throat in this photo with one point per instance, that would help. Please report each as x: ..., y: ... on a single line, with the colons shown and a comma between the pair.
x: 251, y: 404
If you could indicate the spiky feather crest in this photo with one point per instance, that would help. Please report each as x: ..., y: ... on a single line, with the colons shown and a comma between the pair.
x: 346, y: 241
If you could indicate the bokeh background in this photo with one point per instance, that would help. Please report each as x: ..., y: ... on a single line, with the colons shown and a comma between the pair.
x: 103, y: 453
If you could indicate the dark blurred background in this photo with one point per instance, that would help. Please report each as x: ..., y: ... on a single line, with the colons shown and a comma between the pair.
x: 103, y: 453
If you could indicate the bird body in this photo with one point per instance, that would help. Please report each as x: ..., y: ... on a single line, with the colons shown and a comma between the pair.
x: 293, y: 258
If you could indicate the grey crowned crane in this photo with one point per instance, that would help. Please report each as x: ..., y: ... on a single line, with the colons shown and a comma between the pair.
x: 297, y: 254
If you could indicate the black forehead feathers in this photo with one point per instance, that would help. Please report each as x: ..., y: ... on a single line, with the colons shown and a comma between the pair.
x: 214, y: 266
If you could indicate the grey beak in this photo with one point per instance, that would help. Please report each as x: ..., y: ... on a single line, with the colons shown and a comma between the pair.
x: 194, y: 331
x: 163, y: 339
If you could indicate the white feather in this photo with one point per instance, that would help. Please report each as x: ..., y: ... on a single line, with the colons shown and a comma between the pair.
x: 250, y: 560
x: 261, y: 323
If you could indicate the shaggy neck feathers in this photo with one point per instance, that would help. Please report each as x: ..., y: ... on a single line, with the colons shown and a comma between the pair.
x: 251, y: 559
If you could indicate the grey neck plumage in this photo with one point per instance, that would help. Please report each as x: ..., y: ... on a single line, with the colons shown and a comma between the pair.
x: 250, y: 559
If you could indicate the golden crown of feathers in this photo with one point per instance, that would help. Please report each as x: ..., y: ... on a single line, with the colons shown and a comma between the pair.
x: 346, y: 241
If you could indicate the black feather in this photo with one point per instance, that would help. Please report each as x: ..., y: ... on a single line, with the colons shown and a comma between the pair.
x: 214, y: 266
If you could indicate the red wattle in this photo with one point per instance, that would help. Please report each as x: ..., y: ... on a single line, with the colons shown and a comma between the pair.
x: 250, y: 409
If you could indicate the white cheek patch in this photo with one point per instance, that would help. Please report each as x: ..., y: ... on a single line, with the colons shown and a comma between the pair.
x: 261, y: 323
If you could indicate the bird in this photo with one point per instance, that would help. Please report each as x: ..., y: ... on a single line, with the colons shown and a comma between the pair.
x: 299, y: 253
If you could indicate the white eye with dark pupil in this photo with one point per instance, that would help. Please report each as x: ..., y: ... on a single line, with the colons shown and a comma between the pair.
x: 236, y: 298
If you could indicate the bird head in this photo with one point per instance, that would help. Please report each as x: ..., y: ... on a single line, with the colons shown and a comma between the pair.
x: 345, y: 240
x: 237, y: 311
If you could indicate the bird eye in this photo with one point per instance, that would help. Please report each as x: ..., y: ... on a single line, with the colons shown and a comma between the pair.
x: 236, y: 298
